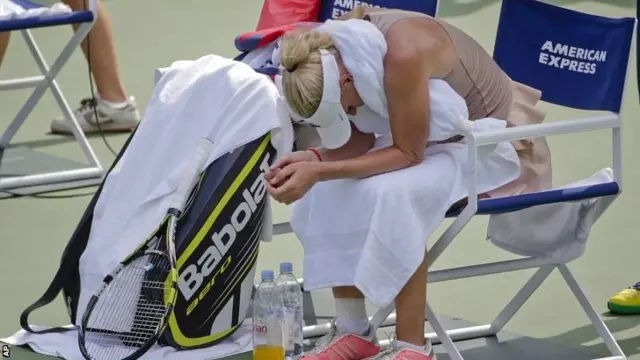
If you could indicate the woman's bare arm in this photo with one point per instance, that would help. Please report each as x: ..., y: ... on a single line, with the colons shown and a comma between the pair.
x: 409, y: 63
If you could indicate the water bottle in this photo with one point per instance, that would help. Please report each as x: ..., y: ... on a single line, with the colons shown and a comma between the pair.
x: 268, y: 342
x: 292, y: 301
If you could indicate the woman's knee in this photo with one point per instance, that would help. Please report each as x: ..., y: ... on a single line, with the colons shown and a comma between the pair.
x: 347, y: 292
x: 4, y: 38
x: 4, y: 43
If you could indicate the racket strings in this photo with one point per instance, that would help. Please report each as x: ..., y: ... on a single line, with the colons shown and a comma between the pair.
x: 131, y: 309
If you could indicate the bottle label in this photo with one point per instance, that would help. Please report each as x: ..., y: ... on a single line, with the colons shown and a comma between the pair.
x: 268, y: 331
x: 259, y: 333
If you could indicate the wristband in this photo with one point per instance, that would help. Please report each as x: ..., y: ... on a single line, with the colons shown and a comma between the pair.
x: 315, y: 151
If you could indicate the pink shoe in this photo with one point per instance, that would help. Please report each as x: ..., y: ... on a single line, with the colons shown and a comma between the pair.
x: 340, y: 345
x: 398, y: 353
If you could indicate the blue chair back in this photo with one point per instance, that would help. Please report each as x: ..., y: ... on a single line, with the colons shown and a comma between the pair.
x: 331, y: 9
x: 577, y: 60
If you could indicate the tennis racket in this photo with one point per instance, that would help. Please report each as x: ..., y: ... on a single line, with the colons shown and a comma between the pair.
x: 129, y: 312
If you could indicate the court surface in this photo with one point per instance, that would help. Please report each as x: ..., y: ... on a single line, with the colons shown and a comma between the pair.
x: 33, y: 231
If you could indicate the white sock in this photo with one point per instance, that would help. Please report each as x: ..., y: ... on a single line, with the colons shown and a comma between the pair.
x: 114, y: 105
x: 351, y: 314
x: 405, y: 345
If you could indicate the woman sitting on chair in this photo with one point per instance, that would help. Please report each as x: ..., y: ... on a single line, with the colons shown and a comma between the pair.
x: 419, y: 47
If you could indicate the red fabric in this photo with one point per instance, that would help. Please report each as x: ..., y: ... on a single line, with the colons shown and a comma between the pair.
x: 256, y: 39
x: 277, y: 13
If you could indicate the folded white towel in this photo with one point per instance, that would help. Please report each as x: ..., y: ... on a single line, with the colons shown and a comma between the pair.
x: 567, y: 225
x: 10, y: 10
x: 65, y: 345
x: 362, y: 48
x: 212, y: 96
x: 373, y: 232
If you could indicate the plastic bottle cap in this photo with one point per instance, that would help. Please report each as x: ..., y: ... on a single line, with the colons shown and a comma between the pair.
x: 286, y: 267
x: 267, y: 275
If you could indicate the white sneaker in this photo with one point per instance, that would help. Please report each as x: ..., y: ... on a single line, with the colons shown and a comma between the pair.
x: 110, y: 119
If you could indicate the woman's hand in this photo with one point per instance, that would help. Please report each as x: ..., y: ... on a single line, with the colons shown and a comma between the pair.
x: 290, y: 158
x: 291, y: 182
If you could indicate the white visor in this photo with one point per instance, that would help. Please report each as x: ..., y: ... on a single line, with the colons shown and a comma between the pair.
x: 330, y: 120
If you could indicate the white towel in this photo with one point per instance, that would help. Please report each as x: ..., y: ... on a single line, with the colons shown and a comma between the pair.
x: 64, y: 345
x: 219, y: 98
x: 372, y: 232
x: 362, y: 49
x: 10, y: 10
x: 566, y: 229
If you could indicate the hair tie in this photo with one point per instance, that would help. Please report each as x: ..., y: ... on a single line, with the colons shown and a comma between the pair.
x: 293, y: 68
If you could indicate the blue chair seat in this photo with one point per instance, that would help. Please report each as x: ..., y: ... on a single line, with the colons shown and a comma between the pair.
x: 76, y: 17
x: 519, y: 202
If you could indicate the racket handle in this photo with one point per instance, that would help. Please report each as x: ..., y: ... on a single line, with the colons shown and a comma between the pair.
x: 191, y: 174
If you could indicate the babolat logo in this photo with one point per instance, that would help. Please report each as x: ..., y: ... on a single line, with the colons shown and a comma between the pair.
x: 215, y: 258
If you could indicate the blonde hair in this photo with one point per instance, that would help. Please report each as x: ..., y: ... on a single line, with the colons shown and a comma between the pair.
x: 302, y: 81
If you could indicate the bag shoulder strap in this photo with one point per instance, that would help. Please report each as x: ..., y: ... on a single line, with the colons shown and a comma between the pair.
x: 67, y: 273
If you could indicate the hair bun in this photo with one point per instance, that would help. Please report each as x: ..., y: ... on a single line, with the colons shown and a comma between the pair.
x: 298, y: 45
x: 292, y: 69
x: 299, y: 53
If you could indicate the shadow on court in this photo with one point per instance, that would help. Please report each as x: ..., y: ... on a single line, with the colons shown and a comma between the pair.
x: 584, y: 336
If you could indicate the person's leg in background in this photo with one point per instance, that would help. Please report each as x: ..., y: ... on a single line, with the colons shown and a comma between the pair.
x: 627, y: 301
x: 104, y: 62
x: 4, y: 44
x: 353, y: 338
x: 116, y: 110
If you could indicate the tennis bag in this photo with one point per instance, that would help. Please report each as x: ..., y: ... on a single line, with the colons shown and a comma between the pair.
x: 217, y: 242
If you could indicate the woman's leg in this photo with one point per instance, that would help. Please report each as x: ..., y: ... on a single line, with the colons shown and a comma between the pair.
x: 351, y: 338
x: 410, y: 308
x: 4, y: 44
x: 104, y: 62
x: 112, y: 107
x: 410, y: 343
x: 351, y: 313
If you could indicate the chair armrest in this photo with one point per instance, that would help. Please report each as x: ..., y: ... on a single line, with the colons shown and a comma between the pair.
x: 552, y: 128
x: 477, y: 140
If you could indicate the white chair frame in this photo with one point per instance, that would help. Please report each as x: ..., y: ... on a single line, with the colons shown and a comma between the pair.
x: 40, y: 83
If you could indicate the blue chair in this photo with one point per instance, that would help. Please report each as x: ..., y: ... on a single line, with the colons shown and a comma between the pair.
x: 85, y: 20
x: 579, y: 61
x: 331, y: 9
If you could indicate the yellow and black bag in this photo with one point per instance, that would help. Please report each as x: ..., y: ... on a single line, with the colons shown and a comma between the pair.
x: 217, y: 245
